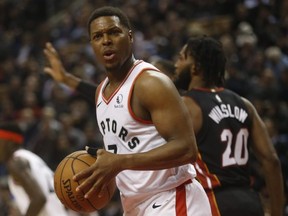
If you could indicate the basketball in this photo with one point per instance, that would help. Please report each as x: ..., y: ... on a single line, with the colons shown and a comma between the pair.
x: 65, y: 186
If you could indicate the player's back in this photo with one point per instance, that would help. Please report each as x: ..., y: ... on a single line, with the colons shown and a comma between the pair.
x: 223, y: 140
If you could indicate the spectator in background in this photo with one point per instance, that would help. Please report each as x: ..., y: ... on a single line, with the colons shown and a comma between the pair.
x: 276, y: 61
x: 28, y: 123
x: 284, y: 85
x: 45, y: 136
x: 75, y: 135
x: 266, y: 87
x: 280, y: 142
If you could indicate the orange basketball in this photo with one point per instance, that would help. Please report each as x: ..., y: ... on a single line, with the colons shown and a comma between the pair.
x: 65, y: 186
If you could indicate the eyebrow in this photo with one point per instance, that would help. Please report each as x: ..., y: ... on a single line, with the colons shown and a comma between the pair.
x: 106, y: 30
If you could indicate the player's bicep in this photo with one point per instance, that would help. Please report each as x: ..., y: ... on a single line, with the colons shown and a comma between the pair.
x: 262, y: 145
x: 195, y: 113
x: 167, y: 110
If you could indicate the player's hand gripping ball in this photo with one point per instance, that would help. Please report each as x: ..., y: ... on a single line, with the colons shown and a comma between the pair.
x: 65, y: 186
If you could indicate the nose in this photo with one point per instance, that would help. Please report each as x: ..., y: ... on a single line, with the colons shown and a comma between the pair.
x: 106, y: 39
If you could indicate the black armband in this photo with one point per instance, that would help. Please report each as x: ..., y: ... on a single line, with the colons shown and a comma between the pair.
x: 91, y: 150
x: 88, y: 90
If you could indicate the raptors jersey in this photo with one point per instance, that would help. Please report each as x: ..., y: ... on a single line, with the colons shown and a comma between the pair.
x: 223, y: 140
x: 124, y: 133
x: 44, y: 177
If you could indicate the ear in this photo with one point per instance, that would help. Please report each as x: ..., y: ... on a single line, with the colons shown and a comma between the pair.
x: 193, y: 69
x: 130, y: 36
x: 196, y: 69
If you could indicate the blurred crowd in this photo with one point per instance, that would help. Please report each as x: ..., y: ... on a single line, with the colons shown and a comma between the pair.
x: 58, y: 121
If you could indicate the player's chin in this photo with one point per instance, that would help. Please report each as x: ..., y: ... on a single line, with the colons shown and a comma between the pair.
x: 112, y: 65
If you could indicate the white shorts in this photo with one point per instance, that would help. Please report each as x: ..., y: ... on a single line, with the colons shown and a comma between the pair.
x: 186, y: 200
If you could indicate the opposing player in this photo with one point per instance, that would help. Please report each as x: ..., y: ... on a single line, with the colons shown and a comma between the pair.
x: 149, y: 141
x: 30, y: 179
x: 227, y: 127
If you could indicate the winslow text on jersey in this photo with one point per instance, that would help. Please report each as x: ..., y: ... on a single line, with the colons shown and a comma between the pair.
x: 222, y: 111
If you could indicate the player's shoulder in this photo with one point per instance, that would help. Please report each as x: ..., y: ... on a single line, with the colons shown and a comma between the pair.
x: 249, y: 105
x: 18, y: 164
x: 153, y: 79
x: 189, y: 100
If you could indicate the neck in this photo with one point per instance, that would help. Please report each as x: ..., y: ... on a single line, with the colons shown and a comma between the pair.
x: 118, y: 74
x: 196, y: 82
x: 199, y: 83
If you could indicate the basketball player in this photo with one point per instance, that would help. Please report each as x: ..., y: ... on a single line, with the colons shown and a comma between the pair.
x: 226, y: 127
x: 149, y: 141
x: 30, y: 180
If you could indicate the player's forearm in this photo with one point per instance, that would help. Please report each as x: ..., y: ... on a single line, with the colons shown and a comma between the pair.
x: 36, y: 206
x: 274, y: 183
x: 87, y: 90
x: 164, y: 157
x: 71, y: 81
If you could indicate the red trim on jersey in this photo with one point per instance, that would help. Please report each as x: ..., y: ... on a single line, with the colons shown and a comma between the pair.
x: 205, y: 174
x: 97, y: 95
x: 116, y: 90
x: 11, y: 136
x: 129, y: 99
x: 213, y: 203
x: 214, y: 181
x: 209, y: 89
x: 181, y: 208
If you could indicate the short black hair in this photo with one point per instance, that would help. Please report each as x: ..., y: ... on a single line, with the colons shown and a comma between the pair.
x: 109, y: 11
x: 209, y: 58
x: 11, y: 127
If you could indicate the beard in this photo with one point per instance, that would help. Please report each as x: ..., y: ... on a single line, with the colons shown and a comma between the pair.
x: 183, y: 79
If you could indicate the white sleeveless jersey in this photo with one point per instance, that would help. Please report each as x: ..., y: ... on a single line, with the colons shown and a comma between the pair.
x: 44, y: 176
x: 124, y: 133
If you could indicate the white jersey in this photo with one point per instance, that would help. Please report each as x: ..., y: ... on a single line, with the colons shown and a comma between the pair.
x: 124, y: 133
x: 44, y: 176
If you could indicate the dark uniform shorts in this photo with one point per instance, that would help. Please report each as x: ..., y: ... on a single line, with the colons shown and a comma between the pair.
x: 238, y: 202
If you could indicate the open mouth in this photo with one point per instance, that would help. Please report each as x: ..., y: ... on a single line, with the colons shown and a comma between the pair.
x: 109, y: 55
